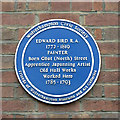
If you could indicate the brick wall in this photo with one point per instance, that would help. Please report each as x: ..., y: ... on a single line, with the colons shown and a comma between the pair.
x: 100, y: 19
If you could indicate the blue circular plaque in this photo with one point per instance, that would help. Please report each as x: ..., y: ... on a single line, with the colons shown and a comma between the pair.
x: 57, y: 61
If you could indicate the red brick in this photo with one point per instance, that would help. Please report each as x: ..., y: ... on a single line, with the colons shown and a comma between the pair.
x: 81, y: 6
x: 100, y: 105
x: 36, y: 116
x: 7, y: 116
x: 9, y: 77
x: 43, y: 6
x: 71, y: 107
x: 60, y: 6
x: 21, y: 6
x: 17, y: 19
x: 60, y: 1
x: 9, y: 48
x: 111, y: 6
x: 111, y: 91
x: 98, y: 6
x: 18, y: 105
x: 8, y: 34
x: 97, y: 91
x: 111, y: 34
x: 111, y: 62
x: 19, y: 116
x: 98, y: 34
x: 21, y: 93
x: 108, y: 48
x: 81, y: 115
x: 58, y: 115
x: 101, y: 19
x: 46, y: 16
x: 7, y: 92
x: 108, y: 77
x: 7, y: 6
x: 21, y: 32
x: 7, y: 62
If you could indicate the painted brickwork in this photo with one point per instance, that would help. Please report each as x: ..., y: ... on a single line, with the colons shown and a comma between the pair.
x: 100, y: 19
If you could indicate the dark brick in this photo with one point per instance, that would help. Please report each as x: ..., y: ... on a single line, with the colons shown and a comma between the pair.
x: 111, y: 34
